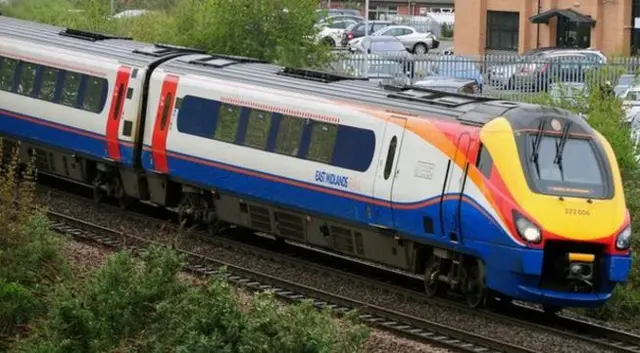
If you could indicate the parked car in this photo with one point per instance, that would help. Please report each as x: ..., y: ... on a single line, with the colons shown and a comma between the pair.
x: 331, y: 33
x: 544, y: 66
x: 455, y: 66
x: 327, y: 20
x: 631, y: 101
x: 414, y: 40
x: 357, y: 30
x: 453, y: 85
x: 624, y: 82
x: 334, y: 12
x: 387, y: 47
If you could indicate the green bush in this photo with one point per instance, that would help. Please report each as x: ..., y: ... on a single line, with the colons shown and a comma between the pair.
x: 276, y: 31
x: 446, y: 30
x: 31, y: 263
x: 142, y: 306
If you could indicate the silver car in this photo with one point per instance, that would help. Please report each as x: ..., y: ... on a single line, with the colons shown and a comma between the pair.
x: 414, y: 40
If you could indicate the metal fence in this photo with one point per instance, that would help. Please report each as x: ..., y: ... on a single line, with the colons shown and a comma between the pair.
x: 506, y: 76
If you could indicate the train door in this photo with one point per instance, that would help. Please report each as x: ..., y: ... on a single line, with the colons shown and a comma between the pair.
x: 386, y: 172
x: 453, y: 190
x: 115, y: 113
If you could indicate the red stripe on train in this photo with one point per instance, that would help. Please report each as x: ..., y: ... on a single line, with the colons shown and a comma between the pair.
x: 162, y: 123
x: 115, y: 112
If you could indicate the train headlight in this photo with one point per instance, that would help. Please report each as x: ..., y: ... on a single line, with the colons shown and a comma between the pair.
x: 623, y: 241
x: 527, y: 230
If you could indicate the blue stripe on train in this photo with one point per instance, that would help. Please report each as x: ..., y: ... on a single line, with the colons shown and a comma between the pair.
x: 60, y: 136
x: 344, y: 205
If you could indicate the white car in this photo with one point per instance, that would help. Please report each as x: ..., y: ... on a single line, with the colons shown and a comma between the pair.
x: 331, y: 33
x: 415, y: 41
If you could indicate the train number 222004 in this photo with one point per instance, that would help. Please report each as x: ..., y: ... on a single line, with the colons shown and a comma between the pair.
x: 576, y: 212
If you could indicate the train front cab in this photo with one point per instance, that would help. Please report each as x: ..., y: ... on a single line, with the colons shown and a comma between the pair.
x: 558, y: 188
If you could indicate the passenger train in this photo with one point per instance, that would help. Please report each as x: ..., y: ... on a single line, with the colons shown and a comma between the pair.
x: 481, y: 196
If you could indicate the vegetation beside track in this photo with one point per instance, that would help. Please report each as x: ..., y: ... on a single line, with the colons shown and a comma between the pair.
x: 281, y: 32
x: 135, y: 304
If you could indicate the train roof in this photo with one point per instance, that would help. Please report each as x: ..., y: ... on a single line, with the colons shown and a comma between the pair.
x: 123, y: 49
x: 411, y: 100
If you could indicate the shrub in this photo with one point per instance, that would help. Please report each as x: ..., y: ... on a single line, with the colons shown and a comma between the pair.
x: 31, y: 263
x: 142, y: 306
x: 446, y: 30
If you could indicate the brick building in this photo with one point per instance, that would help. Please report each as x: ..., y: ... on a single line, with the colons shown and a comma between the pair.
x: 613, y: 26
x: 377, y: 8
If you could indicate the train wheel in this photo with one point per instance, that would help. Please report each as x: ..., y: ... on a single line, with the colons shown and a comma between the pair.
x: 98, y: 192
x: 431, y: 272
x: 473, y: 287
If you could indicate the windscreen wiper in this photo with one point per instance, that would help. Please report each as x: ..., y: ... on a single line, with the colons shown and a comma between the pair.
x: 560, y: 147
x: 536, y: 145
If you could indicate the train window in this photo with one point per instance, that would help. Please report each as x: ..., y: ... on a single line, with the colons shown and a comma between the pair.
x: 485, y: 162
x: 354, y: 148
x: 289, y: 135
x: 48, y: 86
x: 168, y: 100
x: 27, y: 79
x: 93, y: 94
x: 194, y: 117
x: 227, y: 127
x: 258, y: 129
x: 7, y: 73
x: 323, y: 138
x: 390, y: 157
x: 70, y: 87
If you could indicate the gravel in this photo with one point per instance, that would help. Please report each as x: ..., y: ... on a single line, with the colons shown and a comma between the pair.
x: 535, y: 340
x: 85, y: 258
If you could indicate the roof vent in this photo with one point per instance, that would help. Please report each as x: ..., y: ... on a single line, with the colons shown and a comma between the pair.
x: 90, y: 36
x: 315, y: 75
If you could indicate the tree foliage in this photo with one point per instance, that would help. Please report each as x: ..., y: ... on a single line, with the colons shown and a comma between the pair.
x: 276, y: 31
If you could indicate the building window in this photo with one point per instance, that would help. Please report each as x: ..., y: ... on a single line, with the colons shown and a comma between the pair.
x: 635, y: 32
x: 503, y: 30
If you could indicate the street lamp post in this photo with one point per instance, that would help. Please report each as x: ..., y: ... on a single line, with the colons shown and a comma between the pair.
x: 366, y: 34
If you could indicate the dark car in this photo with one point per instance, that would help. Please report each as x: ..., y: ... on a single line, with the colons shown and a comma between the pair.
x: 357, y: 30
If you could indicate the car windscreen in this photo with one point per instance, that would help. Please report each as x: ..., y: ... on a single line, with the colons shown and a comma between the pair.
x: 577, y: 173
x: 386, y: 46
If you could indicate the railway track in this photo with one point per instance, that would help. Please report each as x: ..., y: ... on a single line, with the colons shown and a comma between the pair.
x: 411, y: 287
x: 399, y: 323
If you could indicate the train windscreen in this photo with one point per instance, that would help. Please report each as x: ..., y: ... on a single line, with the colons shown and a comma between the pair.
x: 566, y: 166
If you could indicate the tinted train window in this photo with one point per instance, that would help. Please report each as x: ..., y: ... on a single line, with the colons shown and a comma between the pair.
x: 485, y: 162
x: 27, y: 79
x: 258, y: 129
x: 391, y: 154
x: 70, y: 87
x: 580, y: 169
x: 227, y: 127
x: 354, y: 148
x: 323, y: 139
x: 289, y: 135
x: 94, y: 94
x: 48, y: 85
x: 7, y: 73
x: 198, y: 116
